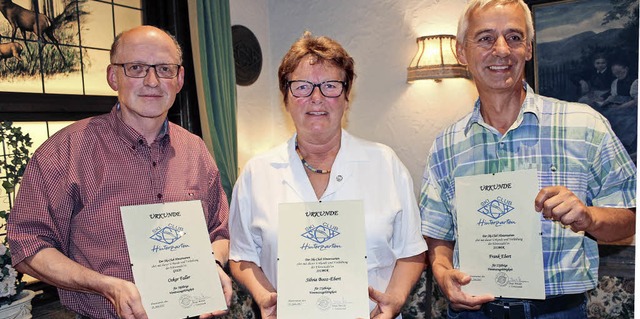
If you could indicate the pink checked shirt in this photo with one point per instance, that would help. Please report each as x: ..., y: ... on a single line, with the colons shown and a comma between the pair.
x: 76, y: 182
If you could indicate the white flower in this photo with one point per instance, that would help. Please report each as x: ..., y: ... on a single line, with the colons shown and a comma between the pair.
x: 7, y: 287
x: 12, y: 272
x: 8, y: 275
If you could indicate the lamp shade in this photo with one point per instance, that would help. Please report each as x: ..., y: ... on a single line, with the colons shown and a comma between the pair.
x: 436, y: 59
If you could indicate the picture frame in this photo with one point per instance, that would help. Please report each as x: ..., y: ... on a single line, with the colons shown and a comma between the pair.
x: 567, y: 55
x: 59, y: 73
x: 571, y: 37
x: 52, y: 107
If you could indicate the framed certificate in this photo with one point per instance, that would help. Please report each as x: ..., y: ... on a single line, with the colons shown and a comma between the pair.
x: 322, y: 268
x: 499, y: 234
x: 172, y: 259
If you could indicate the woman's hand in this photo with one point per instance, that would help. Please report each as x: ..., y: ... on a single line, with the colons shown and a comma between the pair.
x: 388, y: 306
x: 268, y: 305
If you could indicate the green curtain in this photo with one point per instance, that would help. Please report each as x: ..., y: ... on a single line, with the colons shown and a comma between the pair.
x: 219, y: 83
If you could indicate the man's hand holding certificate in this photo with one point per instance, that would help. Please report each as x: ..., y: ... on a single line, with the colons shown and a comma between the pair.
x: 499, y: 234
x: 172, y: 259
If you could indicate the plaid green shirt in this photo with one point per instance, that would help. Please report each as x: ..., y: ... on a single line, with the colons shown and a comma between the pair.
x: 570, y: 144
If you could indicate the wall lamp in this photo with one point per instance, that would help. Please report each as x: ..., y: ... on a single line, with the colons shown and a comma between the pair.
x: 436, y: 60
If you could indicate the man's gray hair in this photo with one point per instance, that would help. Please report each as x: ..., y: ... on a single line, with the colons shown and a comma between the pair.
x: 463, y: 23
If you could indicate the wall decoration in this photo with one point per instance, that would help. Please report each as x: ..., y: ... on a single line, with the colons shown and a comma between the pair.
x: 573, y: 39
x: 53, y: 50
x: 247, y: 55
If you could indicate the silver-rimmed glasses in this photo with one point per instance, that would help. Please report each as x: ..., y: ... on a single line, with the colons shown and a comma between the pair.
x: 140, y: 70
x: 301, y: 88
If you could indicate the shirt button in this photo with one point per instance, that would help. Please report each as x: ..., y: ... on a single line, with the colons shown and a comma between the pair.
x: 153, y: 164
x: 159, y: 196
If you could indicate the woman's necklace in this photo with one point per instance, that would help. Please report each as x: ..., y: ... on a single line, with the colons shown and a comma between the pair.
x: 309, y: 167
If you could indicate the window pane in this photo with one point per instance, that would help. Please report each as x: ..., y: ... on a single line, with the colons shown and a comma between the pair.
x: 62, y: 70
x: 126, y: 18
x: 95, y: 73
x: 97, y: 28
x: 130, y: 3
x: 61, y: 83
x: 39, y: 132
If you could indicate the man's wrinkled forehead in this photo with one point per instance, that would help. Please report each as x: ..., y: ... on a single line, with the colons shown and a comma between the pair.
x: 481, y: 21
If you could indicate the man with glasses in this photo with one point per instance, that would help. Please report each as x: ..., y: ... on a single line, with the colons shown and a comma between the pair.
x: 586, y: 180
x: 65, y: 228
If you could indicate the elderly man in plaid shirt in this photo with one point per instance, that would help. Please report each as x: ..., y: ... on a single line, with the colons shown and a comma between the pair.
x: 587, y: 182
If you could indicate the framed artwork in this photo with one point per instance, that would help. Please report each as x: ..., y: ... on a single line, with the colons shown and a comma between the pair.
x: 587, y: 51
x: 56, y: 63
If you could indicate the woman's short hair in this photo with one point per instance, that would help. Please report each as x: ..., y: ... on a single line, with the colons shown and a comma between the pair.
x: 324, y: 49
x: 463, y: 23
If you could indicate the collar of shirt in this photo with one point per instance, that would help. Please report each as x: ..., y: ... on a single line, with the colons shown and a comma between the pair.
x: 130, y: 135
x: 528, y: 106
x: 349, y: 155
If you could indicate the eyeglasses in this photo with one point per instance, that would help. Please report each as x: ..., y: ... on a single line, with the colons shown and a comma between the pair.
x: 140, y: 70
x: 300, y: 88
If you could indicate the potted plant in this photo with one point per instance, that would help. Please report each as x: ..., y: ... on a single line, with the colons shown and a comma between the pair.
x: 15, y: 302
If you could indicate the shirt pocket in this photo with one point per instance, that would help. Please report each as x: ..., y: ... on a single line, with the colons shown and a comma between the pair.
x: 564, y: 172
x: 179, y: 195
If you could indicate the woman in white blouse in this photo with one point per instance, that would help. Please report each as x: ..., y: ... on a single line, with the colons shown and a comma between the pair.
x: 322, y: 162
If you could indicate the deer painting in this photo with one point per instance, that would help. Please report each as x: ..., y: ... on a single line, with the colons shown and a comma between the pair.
x: 10, y: 50
x: 26, y: 20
